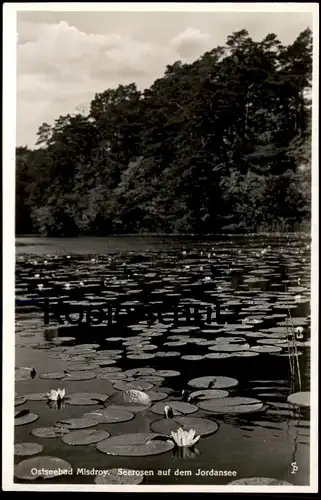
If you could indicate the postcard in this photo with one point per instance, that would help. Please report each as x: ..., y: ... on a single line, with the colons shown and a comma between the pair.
x: 160, y: 247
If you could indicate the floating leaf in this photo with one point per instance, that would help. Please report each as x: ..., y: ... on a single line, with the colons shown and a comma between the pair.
x: 49, y: 432
x: 82, y: 367
x: 77, y: 423
x: 208, y: 394
x: 85, y: 436
x: 25, y: 418
x: 231, y: 405
x: 53, y: 376
x: 82, y: 375
x: 167, y: 373
x: 106, y: 362
x: 229, y: 347
x: 213, y: 382
x: 152, y: 379
x: 22, y: 374
x: 112, y: 376
x: 266, y: 349
x: 138, y: 372
x: 201, y: 426
x: 131, y: 396
x: 299, y: 399
x: 110, y: 415
x: 27, y: 449
x: 130, y: 408
x: 86, y: 398
x: 245, y: 354
x: 19, y: 400
x: 196, y: 357
x: 179, y: 408
x: 135, y: 445
x: 157, y: 396
x: 218, y: 355
x: 127, y: 476
x: 43, y: 465
x: 139, y: 385
x: 36, y: 396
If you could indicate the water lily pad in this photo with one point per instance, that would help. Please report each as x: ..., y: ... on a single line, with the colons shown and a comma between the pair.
x: 157, y: 395
x: 196, y: 357
x: 214, y: 382
x: 77, y: 423
x: 140, y: 356
x: 167, y: 354
x: 175, y: 344
x: 266, y: 349
x: 229, y: 347
x: 128, y: 476
x: 106, y: 362
x: 82, y: 375
x: 110, y: 415
x: 49, y: 432
x: 152, y: 379
x: 42, y: 464
x: 22, y: 374
x: 27, y: 449
x: 299, y: 399
x: 260, y: 481
x: 36, y: 396
x: 24, y: 419
x: 85, y: 436
x: 53, y: 376
x: 231, y: 405
x: 245, y: 354
x: 111, y: 369
x: 139, y: 372
x: 86, y: 398
x: 201, y: 426
x: 111, y: 376
x: 139, y: 385
x: 272, y: 341
x: 218, y: 355
x: 19, y: 400
x: 130, y: 396
x: 82, y: 367
x: 167, y: 373
x: 135, y: 445
x: 208, y: 394
x: 130, y: 408
x: 179, y: 408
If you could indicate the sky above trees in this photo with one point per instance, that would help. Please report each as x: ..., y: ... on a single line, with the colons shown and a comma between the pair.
x: 63, y: 59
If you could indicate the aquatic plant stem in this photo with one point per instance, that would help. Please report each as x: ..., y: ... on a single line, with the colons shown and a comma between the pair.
x: 294, y: 344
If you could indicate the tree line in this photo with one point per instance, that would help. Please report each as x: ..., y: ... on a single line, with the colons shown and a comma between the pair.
x: 219, y: 145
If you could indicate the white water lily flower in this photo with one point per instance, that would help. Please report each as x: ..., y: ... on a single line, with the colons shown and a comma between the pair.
x: 55, y: 395
x: 297, y: 298
x: 184, y: 438
x: 67, y: 286
x: 299, y: 332
x: 40, y: 286
x: 207, y: 279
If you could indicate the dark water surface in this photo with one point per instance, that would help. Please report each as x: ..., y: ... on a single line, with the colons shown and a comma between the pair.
x: 257, y: 281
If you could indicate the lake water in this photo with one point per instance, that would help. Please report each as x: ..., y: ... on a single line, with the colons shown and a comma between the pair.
x: 257, y: 281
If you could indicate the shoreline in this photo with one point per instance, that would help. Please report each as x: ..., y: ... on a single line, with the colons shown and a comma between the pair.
x: 162, y: 235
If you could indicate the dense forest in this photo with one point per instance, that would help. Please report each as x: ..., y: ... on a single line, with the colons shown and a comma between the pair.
x: 219, y: 145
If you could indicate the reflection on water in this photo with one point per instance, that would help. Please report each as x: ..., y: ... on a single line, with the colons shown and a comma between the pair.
x: 258, y: 282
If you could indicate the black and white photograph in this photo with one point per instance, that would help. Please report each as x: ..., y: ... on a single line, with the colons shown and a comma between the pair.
x: 160, y: 187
